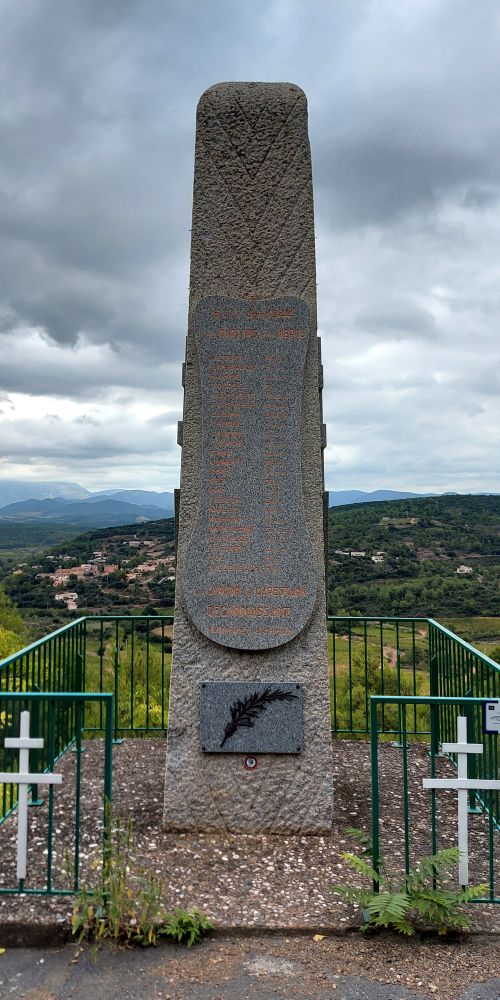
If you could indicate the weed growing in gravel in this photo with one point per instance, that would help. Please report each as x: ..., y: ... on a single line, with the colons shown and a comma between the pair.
x: 424, y: 899
x: 127, y: 906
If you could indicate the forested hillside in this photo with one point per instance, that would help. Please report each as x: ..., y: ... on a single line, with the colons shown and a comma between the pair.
x: 432, y: 556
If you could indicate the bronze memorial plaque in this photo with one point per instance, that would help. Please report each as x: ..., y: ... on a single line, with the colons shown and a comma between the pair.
x: 250, y: 579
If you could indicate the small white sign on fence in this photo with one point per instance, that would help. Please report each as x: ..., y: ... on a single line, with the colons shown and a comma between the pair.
x: 491, y: 717
x: 24, y: 743
x: 464, y: 785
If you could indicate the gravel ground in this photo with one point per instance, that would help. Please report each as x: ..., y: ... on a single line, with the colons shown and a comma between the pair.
x: 239, y: 881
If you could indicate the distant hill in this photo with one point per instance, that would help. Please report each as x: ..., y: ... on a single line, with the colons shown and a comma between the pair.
x: 140, y: 497
x: 91, y: 513
x: 340, y: 497
x: 69, y: 503
x: 430, y: 556
x: 14, y: 490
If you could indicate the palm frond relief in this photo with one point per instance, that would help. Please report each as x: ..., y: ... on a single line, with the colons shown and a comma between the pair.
x: 244, y: 713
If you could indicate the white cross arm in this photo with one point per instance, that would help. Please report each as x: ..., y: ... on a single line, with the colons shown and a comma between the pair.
x: 462, y: 747
x: 470, y: 784
x: 23, y: 743
x: 22, y: 778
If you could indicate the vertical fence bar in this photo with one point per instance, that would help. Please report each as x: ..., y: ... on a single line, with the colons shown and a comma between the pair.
x: 414, y: 671
x: 350, y: 674
x: 36, y: 756
x: 434, y: 689
x: 50, y: 822
x: 163, y: 674
x: 147, y: 673
x: 101, y: 668
x: 117, y: 667
x: 375, y: 792
x: 334, y: 673
x: 132, y: 673
x: 491, y: 847
x: 404, y: 761
x: 78, y: 790
x: 398, y: 691
x: 108, y: 784
x: 382, y: 680
x: 367, y: 694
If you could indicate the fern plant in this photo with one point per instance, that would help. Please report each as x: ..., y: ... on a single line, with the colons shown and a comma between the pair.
x: 425, y: 899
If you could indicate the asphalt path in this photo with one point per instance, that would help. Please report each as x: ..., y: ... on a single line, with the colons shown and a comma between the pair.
x: 232, y: 969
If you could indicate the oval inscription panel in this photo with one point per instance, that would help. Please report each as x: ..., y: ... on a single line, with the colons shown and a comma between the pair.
x: 250, y: 579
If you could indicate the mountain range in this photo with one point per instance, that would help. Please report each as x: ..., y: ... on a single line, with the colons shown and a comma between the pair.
x: 64, y: 503
x: 71, y: 504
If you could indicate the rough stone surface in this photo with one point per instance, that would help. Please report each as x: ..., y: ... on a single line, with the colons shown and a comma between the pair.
x: 251, y: 718
x: 252, y: 239
x: 250, y: 579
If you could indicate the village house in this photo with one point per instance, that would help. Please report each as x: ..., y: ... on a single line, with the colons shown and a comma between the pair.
x: 69, y: 598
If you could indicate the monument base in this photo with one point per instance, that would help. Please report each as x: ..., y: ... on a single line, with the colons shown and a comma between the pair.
x: 285, y: 793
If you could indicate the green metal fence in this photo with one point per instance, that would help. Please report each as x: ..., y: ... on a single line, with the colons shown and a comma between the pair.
x: 49, y: 714
x: 420, y: 810
x: 401, y: 656
x: 124, y: 655
x: 55, y: 664
x: 129, y: 655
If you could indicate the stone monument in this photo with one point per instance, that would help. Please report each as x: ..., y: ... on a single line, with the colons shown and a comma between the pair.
x: 249, y: 747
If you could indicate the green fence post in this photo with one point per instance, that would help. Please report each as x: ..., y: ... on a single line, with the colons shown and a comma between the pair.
x: 116, y: 738
x: 434, y: 691
x: 79, y: 686
x: 399, y: 742
x: 375, y: 791
x: 78, y: 790
x: 35, y: 755
x: 108, y: 788
x: 474, y: 803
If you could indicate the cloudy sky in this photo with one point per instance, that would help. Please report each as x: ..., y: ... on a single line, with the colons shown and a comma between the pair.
x: 97, y: 113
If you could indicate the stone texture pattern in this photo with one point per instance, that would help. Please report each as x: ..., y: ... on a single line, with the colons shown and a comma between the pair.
x: 252, y: 238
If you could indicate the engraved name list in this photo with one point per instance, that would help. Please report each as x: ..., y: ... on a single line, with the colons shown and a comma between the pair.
x: 250, y: 580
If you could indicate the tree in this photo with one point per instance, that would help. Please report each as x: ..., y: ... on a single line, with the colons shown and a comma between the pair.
x: 9, y: 642
x: 10, y: 618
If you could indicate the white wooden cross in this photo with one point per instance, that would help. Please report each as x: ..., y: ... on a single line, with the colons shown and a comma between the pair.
x: 463, y: 784
x: 24, y: 743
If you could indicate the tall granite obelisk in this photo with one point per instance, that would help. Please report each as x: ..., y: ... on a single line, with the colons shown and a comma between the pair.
x: 249, y: 746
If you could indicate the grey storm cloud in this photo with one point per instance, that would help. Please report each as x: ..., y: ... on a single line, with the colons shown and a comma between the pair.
x: 81, y: 372
x: 97, y: 118
x: 398, y: 319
